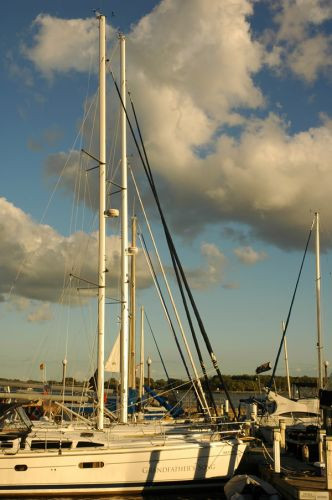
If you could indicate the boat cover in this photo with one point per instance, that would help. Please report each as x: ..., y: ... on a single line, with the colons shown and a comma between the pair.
x: 244, y: 486
x: 286, y: 405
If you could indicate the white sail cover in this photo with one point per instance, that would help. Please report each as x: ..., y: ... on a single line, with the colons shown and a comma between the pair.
x: 113, y: 362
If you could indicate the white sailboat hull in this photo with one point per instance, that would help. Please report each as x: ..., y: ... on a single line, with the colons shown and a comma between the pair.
x: 119, y: 469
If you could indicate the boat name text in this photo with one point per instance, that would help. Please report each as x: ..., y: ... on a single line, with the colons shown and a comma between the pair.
x: 177, y: 468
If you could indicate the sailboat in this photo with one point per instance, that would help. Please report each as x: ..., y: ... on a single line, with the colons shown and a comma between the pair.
x: 86, y: 459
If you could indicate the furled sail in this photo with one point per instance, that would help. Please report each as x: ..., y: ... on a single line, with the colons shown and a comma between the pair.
x: 113, y: 362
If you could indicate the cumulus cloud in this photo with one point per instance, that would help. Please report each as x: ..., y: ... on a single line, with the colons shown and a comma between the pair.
x: 267, y: 180
x: 35, y: 262
x: 310, y: 56
x: 189, y: 89
x: 212, y: 272
x: 249, y: 256
x: 19, y: 303
x: 295, y: 17
x: 296, y: 42
x: 41, y: 313
x: 211, y: 61
x: 62, y: 45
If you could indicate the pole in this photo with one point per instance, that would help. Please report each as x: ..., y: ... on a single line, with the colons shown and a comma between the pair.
x: 42, y: 367
x: 64, y: 369
x: 328, y: 462
x: 326, y: 378
x: 124, y: 245
x: 276, y: 450
x: 102, y: 235
x: 286, y: 361
x: 318, y: 281
x: 132, y: 338
x: 141, y: 364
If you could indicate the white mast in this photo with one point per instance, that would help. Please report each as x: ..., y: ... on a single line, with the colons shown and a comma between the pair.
x: 124, y: 244
x: 141, y: 363
x: 102, y: 238
x: 132, y: 335
x: 286, y: 361
x: 318, y: 281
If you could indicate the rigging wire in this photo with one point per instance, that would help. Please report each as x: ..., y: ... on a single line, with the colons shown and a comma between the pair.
x: 179, y: 269
x: 159, y: 353
x: 155, y: 279
x: 269, y: 385
x: 199, y: 393
x: 176, y: 261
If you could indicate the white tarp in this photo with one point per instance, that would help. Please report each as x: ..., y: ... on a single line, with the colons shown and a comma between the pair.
x: 235, y: 486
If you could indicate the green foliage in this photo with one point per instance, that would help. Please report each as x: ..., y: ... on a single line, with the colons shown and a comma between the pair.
x: 243, y: 383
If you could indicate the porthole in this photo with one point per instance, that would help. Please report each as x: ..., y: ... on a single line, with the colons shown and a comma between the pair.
x: 21, y: 467
x: 90, y: 465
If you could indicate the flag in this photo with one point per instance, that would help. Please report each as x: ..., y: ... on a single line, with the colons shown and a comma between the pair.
x: 113, y: 362
x: 265, y: 367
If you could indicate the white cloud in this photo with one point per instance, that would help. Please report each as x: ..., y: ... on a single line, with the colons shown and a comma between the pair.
x: 212, y: 272
x: 296, y: 42
x: 211, y: 61
x: 295, y: 17
x: 311, y: 56
x: 249, y: 256
x: 187, y: 86
x: 19, y: 303
x: 62, y: 45
x: 41, y: 313
x: 266, y: 179
x: 35, y: 260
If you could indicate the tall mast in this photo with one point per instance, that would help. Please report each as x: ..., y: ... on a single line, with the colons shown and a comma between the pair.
x: 318, y: 281
x: 124, y: 244
x: 132, y: 338
x: 141, y: 362
x: 102, y: 238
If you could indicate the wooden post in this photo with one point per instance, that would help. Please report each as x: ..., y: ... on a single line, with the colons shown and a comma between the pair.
x: 276, y: 449
x: 321, y: 438
x: 226, y: 407
x: 328, y: 463
x: 282, y: 424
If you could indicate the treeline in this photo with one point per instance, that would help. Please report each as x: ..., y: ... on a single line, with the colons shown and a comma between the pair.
x: 233, y: 383
x: 241, y: 383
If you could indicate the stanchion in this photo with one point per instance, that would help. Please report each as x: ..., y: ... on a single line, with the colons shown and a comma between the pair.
x: 282, y: 424
x: 328, y: 462
x: 276, y: 450
x: 321, y: 438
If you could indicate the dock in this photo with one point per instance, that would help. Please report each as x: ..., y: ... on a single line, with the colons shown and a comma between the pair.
x: 297, y: 479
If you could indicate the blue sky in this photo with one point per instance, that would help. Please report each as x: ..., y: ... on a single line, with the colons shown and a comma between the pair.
x: 234, y: 101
